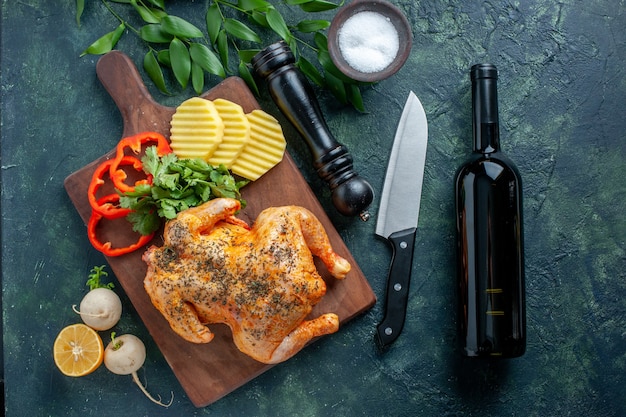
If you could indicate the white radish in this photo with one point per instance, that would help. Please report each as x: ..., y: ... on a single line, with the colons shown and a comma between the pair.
x: 124, y: 355
x: 101, y: 308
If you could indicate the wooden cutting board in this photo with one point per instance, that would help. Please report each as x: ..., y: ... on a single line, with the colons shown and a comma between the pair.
x: 207, y: 372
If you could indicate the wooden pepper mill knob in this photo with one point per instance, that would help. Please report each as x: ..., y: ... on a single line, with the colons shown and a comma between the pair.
x: 292, y: 93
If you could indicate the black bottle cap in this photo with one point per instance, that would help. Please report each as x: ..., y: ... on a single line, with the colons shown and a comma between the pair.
x: 485, y: 108
x: 480, y: 71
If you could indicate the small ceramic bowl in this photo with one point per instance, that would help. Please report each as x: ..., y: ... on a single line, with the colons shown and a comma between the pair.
x: 388, y: 11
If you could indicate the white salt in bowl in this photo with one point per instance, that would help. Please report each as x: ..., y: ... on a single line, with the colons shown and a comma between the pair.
x: 369, y: 40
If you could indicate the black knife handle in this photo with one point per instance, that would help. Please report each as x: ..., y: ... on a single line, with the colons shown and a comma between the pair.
x: 294, y: 96
x: 389, y: 329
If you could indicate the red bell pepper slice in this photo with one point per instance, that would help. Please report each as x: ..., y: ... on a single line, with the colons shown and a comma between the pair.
x: 107, y: 209
x: 106, y: 247
x: 134, y: 143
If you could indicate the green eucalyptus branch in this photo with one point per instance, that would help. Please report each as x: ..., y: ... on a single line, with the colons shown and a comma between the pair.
x: 225, y: 45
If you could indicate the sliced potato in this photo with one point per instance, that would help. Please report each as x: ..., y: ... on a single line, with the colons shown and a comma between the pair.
x: 236, y: 133
x: 196, y: 129
x: 264, y: 150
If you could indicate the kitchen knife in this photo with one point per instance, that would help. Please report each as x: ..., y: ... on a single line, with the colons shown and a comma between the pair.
x: 399, y: 211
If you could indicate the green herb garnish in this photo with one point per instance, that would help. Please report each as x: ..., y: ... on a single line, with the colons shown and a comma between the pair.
x: 98, y: 272
x: 177, y: 184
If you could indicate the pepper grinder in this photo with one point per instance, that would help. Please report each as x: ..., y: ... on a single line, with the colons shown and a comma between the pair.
x: 292, y: 93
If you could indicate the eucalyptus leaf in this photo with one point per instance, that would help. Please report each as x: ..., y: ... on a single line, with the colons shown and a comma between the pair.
x: 180, y: 27
x: 153, y: 69
x: 213, y: 22
x: 244, y: 73
x: 222, y: 47
x: 318, y: 6
x: 246, y: 55
x: 164, y: 58
x: 330, y: 67
x: 206, y: 59
x: 337, y: 87
x: 296, y: 2
x: 197, y: 78
x: 309, y: 26
x: 158, y: 3
x: 321, y: 41
x: 158, y: 13
x: 240, y: 30
x: 310, y: 71
x: 293, y: 45
x: 154, y: 33
x: 277, y: 23
x: 80, y: 7
x: 259, y: 18
x: 105, y: 43
x: 145, y: 13
x: 250, y: 5
x: 354, y: 97
x: 181, y: 62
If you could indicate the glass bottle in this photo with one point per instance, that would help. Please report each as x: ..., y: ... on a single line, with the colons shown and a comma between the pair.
x: 490, y: 243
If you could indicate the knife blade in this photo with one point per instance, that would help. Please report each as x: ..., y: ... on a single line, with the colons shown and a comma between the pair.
x: 398, y: 213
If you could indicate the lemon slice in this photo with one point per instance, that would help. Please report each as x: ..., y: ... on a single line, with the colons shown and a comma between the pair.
x: 265, y: 148
x: 78, y: 350
x: 236, y: 133
x: 196, y: 129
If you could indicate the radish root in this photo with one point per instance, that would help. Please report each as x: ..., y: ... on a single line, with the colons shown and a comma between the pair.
x: 147, y: 394
x: 77, y: 311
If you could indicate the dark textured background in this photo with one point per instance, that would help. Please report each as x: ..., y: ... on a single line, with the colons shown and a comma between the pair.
x: 562, y: 99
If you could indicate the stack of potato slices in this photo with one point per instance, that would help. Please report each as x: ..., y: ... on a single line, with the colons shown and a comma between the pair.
x: 220, y: 132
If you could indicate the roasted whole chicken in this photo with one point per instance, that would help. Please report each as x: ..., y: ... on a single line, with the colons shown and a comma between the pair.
x: 260, y: 281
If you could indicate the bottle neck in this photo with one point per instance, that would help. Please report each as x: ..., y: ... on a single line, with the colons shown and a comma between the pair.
x: 485, y: 108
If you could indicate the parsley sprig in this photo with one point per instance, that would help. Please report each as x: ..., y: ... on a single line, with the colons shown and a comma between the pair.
x: 96, y: 273
x: 177, y: 185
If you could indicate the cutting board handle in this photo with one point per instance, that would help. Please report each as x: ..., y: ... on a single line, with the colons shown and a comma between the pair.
x: 121, y: 79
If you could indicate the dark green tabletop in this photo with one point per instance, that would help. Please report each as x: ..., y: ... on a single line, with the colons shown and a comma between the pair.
x: 562, y: 97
